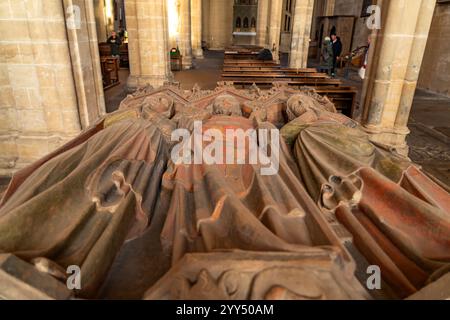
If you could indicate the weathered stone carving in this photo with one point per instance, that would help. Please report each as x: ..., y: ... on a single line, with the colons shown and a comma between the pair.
x: 400, y: 218
x: 113, y: 203
x: 257, y: 276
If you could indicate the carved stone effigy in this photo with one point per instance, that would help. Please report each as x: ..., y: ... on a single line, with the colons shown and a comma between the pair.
x: 139, y: 225
x: 399, y: 217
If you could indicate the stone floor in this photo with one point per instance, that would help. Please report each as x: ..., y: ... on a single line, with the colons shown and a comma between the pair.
x: 115, y: 95
x: 429, y: 140
x: 206, y: 72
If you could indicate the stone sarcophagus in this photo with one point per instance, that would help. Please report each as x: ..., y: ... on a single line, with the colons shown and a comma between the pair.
x: 155, y: 201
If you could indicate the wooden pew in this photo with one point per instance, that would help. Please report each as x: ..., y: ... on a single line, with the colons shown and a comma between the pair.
x: 275, y: 73
x: 259, y: 68
x: 244, y: 48
x: 279, y: 77
x: 236, y: 55
x: 228, y: 62
x: 243, y: 73
x: 265, y: 83
x: 110, y: 71
x: 104, y: 49
x: 343, y: 97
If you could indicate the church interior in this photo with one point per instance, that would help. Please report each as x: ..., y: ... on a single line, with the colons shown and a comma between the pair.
x: 355, y: 95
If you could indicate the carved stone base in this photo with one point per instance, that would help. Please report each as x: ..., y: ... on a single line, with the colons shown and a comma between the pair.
x: 257, y: 276
x: 392, y: 138
x: 20, y: 280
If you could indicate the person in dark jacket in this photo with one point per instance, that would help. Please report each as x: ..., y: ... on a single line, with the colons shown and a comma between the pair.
x: 114, y: 42
x: 337, y: 50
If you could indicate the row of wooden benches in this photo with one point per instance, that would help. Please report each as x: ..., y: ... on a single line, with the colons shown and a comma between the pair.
x: 241, y: 54
x: 243, y: 73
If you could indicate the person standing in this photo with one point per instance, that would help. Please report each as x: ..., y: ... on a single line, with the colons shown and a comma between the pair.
x: 327, y: 54
x: 337, y: 50
x: 362, y: 70
x: 114, y: 43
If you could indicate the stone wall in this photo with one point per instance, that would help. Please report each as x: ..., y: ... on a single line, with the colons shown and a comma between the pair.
x: 285, y: 41
x: 339, y: 8
x: 42, y: 105
x: 435, y: 72
x: 148, y: 45
x: 354, y: 8
x: 102, y: 32
x: 205, y: 22
x: 38, y: 104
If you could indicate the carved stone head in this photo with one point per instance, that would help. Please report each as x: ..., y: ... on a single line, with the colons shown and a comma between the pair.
x: 297, y: 105
x: 226, y: 105
x: 162, y: 104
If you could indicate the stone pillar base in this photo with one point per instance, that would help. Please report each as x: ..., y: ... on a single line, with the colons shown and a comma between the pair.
x: 198, y: 53
x: 392, y: 138
x: 23, y: 281
x: 187, y: 63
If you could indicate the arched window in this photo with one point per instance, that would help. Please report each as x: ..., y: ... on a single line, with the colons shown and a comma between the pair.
x: 253, y: 23
x: 245, y: 23
x: 238, y: 22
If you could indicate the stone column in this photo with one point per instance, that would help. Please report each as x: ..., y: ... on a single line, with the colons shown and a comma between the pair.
x: 261, y: 22
x: 196, y: 26
x: 329, y: 7
x: 205, y: 22
x: 38, y: 98
x: 301, y: 32
x: 220, y: 24
x: 273, y: 36
x: 147, y: 43
x: 184, y: 41
x: 83, y: 47
x: 393, y: 71
x: 101, y: 24
x: 415, y: 62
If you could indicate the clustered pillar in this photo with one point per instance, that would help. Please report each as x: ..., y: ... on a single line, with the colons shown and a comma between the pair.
x: 274, y: 23
x: 394, y: 69
x: 184, y: 41
x: 261, y: 22
x: 301, y: 31
x: 147, y: 43
x: 196, y: 28
x: 50, y: 82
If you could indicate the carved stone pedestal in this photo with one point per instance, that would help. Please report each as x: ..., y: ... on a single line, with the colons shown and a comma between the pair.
x: 20, y: 280
x: 315, y: 274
